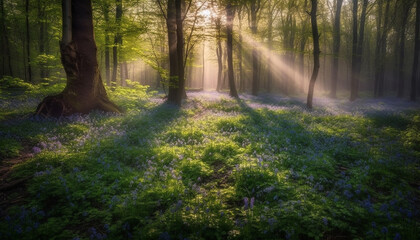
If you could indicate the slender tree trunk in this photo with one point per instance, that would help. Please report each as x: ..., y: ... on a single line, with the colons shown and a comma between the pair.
x: 41, y: 23
x: 84, y: 90
x: 270, y: 47
x: 354, y: 76
x: 28, y: 46
x: 203, y: 72
x: 241, y: 78
x: 255, y: 74
x: 415, y: 72
x: 219, y: 53
x: 378, y: 46
x: 107, y: 43
x: 230, y: 15
x: 5, y: 38
x: 357, y: 48
x: 180, y: 50
x: 117, y: 42
x: 401, y: 59
x: 381, y: 63
x: 317, y: 52
x: 336, y: 48
x: 173, y: 59
x: 302, y: 49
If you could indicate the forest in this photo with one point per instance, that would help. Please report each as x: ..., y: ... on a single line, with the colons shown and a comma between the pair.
x: 209, y: 119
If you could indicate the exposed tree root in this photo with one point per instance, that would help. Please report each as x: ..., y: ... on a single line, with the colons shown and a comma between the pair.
x: 57, y: 106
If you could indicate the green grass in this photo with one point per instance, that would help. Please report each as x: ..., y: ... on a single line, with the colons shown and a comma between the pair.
x: 211, y: 170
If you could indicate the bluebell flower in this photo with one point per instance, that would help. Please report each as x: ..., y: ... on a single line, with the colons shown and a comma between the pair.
x: 384, y: 230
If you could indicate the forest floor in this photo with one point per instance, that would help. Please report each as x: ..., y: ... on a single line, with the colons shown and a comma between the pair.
x: 217, y: 168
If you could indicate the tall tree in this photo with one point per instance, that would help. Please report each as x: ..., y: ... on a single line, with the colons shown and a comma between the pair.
x: 405, y: 6
x: 173, y: 61
x: 28, y: 46
x: 84, y: 90
x: 230, y: 15
x: 317, y: 52
x: 357, y: 48
x: 117, y: 41
x: 336, y: 47
x: 303, y: 40
x: 180, y: 45
x: 219, y: 50
x: 105, y: 11
x: 381, y: 43
x: 255, y: 6
x: 5, y: 42
x: 415, y: 71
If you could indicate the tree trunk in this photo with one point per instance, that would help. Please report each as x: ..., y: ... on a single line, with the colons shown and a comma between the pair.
x: 302, y: 49
x: 255, y: 58
x: 336, y: 48
x: 84, y: 90
x: 415, y: 73
x: 270, y: 47
x: 5, y: 41
x: 28, y: 46
x: 180, y: 50
x: 230, y: 15
x: 357, y: 48
x: 107, y: 43
x: 241, y: 78
x: 41, y: 23
x: 117, y: 42
x: 173, y: 59
x: 219, y: 53
x: 401, y: 61
x: 380, y: 68
x: 317, y: 52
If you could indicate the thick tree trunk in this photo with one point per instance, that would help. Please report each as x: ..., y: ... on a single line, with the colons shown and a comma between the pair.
x: 84, y: 90
x: 415, y: 74
x: 173, y: 59
x: 180, y: 50
x: 336, y: 48
x: 317, y: 52
x: 28, y: 46
x: 230, y: 14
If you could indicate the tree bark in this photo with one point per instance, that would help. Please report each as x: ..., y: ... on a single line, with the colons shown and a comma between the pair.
x: 219, y: 54
x: 5, y: 38
x: 180, y: 50
x: 84, y: 90
x: 317, y: 52
x: 173, y: 59
x: 357, y: 48
x: 107, y: 43
x: 230, y: 15
x: 406, y: 7
x: 336, y: 48
x: 28, y: 46
x: 255, y: 4
x: 380, y: 63
x: 415, y: 71
x: 117, y: 42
